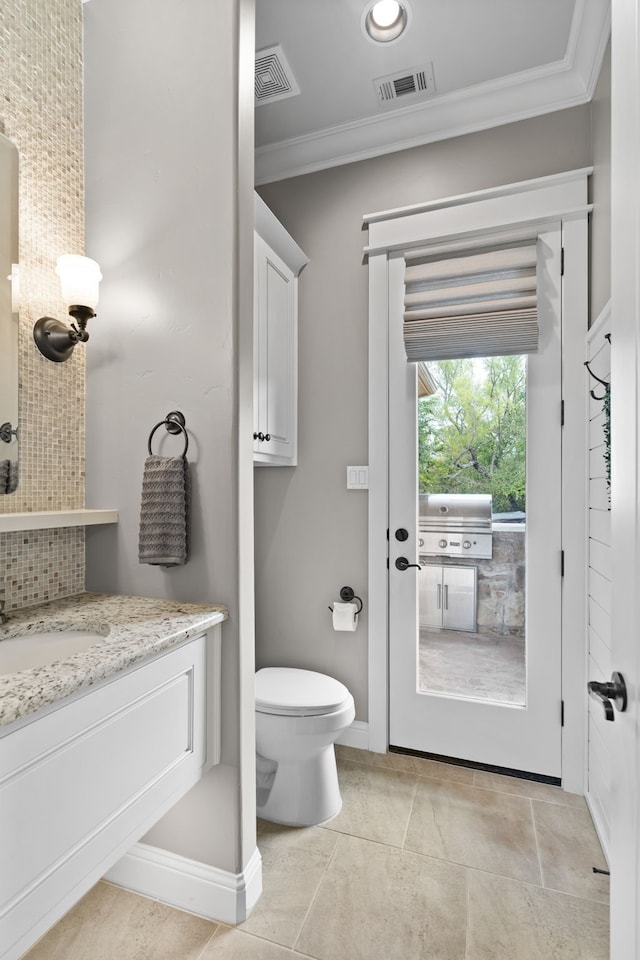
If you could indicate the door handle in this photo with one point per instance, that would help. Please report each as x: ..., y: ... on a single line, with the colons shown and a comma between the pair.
x: 446, y: 596
x: 403, y: 564
x: 439, y: 597
x: 614, y: 689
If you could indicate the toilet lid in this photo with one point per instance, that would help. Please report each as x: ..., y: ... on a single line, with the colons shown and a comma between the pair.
x: 285, y: 690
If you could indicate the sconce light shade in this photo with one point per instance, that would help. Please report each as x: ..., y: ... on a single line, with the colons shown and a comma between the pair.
x: 80, y: 279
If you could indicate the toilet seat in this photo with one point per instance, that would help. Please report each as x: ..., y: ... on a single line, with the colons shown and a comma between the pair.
x: 287, y: 691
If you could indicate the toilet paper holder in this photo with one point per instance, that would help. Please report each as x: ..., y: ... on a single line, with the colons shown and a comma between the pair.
x: 347, y: 595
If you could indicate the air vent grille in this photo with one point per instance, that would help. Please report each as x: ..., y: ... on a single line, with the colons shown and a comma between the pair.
x: 415, y: 84
x: 274, y: 78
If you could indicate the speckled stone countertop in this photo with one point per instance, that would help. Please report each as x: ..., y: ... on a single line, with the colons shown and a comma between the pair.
x: 133, y: 629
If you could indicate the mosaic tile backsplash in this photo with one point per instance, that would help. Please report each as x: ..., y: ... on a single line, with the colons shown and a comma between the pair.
x: 41, y: 111
x: 41, y: 565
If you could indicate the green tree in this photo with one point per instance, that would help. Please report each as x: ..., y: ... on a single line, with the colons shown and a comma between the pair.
x: 472, y: 431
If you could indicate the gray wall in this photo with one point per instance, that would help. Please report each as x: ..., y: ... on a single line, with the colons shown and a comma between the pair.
x: 600, y: 240
x: 311, y: 533
x: 169, y: 217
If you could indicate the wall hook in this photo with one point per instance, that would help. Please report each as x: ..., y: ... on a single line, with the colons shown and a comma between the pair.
x: 596, y: 377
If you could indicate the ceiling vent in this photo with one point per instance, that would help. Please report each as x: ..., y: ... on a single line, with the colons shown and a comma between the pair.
x: 407, y: 85
x: 274, y: 78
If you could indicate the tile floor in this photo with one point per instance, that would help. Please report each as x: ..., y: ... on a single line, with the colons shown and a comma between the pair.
x: 426, y: 861
x: 476, y: 665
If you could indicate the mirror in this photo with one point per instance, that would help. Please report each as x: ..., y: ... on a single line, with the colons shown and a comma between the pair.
x: 8, y: 316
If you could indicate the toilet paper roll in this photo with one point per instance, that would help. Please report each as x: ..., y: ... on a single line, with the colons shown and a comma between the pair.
x: 345, y: 615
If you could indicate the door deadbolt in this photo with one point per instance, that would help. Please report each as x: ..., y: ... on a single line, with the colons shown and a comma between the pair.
x: 402, y: 534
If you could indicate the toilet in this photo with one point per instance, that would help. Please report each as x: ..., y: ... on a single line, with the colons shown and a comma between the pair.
x: 299, y: 716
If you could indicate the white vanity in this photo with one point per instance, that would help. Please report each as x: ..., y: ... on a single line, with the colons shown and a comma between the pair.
x: 94, y: 748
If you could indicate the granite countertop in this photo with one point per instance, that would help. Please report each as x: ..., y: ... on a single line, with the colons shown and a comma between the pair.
x: 133, y: 629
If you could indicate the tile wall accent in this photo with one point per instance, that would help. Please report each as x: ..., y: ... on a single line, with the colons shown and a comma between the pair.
x: 41, y: 111
x: 41, y: 565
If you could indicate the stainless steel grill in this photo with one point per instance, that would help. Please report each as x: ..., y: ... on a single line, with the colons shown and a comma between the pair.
x: 455, y: 525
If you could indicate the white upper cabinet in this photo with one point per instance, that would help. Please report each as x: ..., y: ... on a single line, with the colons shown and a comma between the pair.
x: 278, y: 262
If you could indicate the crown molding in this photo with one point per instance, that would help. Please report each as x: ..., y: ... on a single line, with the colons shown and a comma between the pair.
x: 557, y: 86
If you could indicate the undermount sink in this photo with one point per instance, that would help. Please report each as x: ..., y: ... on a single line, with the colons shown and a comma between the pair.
x: 40, y: 649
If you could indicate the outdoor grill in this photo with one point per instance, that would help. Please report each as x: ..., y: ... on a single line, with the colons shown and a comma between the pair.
x: 455, y: 525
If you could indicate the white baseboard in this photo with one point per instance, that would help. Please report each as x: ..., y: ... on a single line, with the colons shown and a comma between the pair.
x: 599, y: 824
x: 188, y: 884
x: 357, y: 735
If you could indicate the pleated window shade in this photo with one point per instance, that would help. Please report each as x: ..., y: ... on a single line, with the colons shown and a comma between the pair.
x: 479, y: 303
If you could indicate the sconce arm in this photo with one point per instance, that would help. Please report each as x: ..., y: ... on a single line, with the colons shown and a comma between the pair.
x: 56, y: 340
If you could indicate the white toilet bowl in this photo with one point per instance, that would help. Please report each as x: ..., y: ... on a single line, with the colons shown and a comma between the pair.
x: 299, y: 716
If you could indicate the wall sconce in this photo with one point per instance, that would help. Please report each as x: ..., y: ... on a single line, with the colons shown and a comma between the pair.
x: 79, y: 279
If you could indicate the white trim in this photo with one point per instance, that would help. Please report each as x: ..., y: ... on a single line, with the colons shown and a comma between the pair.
x: 269, y: 228
x: 357, y: 735
x: 47, y: 519
x: 557, y: 86
x: 188, y: 884
x: 625, y: 474
x: 476, y: 214
x: 602, y: 321
x: 575, y: 310
x: 595, y: 332
x: 489, y: 193
x: 378, y: 503
x: 519, y: 229
x: 488, y: 212
x: 600, y: 828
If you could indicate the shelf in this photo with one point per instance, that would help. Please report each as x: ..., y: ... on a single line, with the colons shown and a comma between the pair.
x: 47, y: 519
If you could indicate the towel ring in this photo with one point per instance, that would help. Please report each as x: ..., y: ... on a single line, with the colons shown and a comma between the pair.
x: 175, y: 423
x: 7, y: 431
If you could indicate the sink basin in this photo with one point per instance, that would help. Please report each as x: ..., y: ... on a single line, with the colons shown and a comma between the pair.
x: 40, y: 649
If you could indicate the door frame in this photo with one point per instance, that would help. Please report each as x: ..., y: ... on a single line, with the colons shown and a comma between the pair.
x: 625, y: 471
x: 522, y: 206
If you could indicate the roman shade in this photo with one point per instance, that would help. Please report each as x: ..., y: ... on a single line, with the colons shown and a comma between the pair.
x: 474, y: 303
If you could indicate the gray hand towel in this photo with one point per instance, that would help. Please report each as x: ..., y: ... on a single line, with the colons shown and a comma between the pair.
x: 4, y: 475
x: 164, y: 511
x: 12, y: 482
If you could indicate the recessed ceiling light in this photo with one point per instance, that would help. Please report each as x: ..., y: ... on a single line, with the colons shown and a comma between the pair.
x: 385, y: 20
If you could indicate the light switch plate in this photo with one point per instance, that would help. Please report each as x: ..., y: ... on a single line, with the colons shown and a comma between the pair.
x: 358, y: 478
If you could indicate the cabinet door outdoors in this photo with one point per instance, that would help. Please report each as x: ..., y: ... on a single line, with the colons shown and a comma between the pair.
x: 430, y: 595
x: 459, y: 598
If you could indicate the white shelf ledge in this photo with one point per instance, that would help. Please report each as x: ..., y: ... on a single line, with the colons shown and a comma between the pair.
x: 46, y: 519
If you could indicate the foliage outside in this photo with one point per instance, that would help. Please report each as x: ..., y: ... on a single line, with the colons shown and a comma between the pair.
x: 472, y: 430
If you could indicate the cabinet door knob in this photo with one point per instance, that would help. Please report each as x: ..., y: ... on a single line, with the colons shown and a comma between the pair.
x: 267, y: 436
x: 259, y: 436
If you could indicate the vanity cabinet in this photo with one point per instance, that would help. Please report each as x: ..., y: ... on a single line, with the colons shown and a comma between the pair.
x: 448, y: 597
x: 278, y: 261
x: 86, y: 778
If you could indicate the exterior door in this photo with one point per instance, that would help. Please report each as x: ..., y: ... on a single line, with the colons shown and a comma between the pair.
x: 524, y: 736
